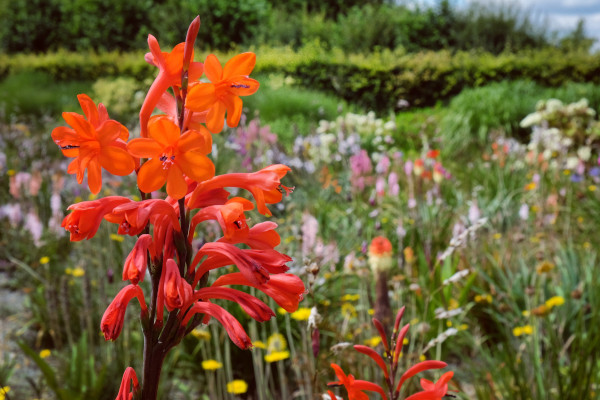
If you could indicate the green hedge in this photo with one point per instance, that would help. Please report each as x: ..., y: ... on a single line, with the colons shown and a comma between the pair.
x: 376, y: 82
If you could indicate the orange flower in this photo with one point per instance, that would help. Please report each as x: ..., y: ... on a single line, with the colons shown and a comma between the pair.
x: 84, y: 221
x: 223, y: 93
x: 265, y: 185
x: 230, y: 216
x: 433, y: 391
x: 171, y: 68
x: 112, y: 320
x: 96, y: 142
x: 355, y: 387
x: 171, y: 156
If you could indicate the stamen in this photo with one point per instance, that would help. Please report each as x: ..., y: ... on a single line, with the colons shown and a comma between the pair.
x: 240, y: 86
x: 68, y: 147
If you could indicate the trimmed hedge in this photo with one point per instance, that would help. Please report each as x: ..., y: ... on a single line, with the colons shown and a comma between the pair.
x: 376, y: 82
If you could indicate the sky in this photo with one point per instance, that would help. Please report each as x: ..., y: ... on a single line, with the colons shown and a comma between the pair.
x: 562, y: 15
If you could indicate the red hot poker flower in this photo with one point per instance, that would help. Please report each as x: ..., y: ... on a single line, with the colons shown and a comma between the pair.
x: 112, y: 320
x: 84, y: 221
x: 96, y: 142
x: 222, y: 95
x: 171, y: 156
x: 171, y: 66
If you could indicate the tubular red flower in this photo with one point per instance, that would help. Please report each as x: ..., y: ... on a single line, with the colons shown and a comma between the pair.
x: 420, y: 367
x: 232, y: 326
x: 230, y: 217
x: 129, y: 385
x: 255, y: 308
x: 399, y: 316
x: 381, y: 330
x: 171, y: 66
x: 136, y: 262
x: 177, y: 291
x: 355, y: 387
x: 287, y: 290
x: 433, y: 391
x: 135, y: 215
x: 375, y: 356
x: 113, y: 318
x: 265, y: 186
x: 255, y: 265
x: 84, y: 221
x: 400, y: 343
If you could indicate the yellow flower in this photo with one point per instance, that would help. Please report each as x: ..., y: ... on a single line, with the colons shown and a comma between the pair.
x: 3, y: 391
x: 449, y: 324
x: 211, y: 365
x: 463, y: 327
x: 281, y: 311
x: 277, y: 356
x: 348, y: 310
x: 534, y: 209
x: 78, y: 272
x: 530, y: 186
x: 592, y: 188
x: 44, y: 260
x: 45, y: 353
x: 522, y: 330
x: 409, y: 255
x: 350, y: 297
x: 555, y: 301
x: 301, y: 314
x: 201, y: 334
x: 116, y: 238
x: 586, y: 245
x: 325, y: 302
x: 11, y: 172
x: 483, y: 298
x: 405, y: 341
x: 414, y: 321
x: 92, y: 197
x: 237, y: 386
x: 525, y: 313
x: 497, y: 236
x: 371, y: 311
x: 78, y: 199
x: 276, y: 342
x: 544, y: 266
x: 259, y: 344
x: 422, y: 357
x: 566, y: 172
x: 453, y: 304
x: 373, y: 342
x: 68, y: 271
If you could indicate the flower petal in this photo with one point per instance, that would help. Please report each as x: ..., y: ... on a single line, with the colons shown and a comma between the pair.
x: 213, y: 69
x: 116, y: 160
x: 152, y: 176
x: 144, y: 148
x: 242, y: 64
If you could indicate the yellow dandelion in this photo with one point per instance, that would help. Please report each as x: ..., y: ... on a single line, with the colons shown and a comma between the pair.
x: 373, y: 341
x: 463, y: 327
x: 449, y: 324
x: 68, y: 271
x: 409, y: 255
x: 544, y: 266
x: 567, y: 172
x: 4, y: 391
x: 371, y: 311
x: 237, y: 386
x: 453, y: 304
x: 497, y: 236
x: 580, y: 220
x: 592, y: 188
x: 301, y: 314
x: 277, y: 356
x: 201, y: 334
x: 45, y: 353
x: 11, y: 172
x: 211, y: 365
x: 517, y: 331
x: 348, y: 310
x: 78, y: 272
x: 350, y: 297
x: 259, y: 344
x: 405, y: 341
x: 116, y: 238
x: 44, y: 260
x: 422, y: 357
x: 525, y: 313
x: 530, y: 186
x: 276, y: 342
x: 527, y: 330
x: 483, y: 298
x: 555, y: 301
x: 281, y: 311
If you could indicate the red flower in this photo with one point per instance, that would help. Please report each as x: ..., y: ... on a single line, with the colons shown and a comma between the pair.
x: 135, y: 215
x: 171, y: 68
x: 287, y: 290
x: 222, y: 95
x: 176, y: 290
x: 232, y: 326
x: 255, y: 308
x: 433, y: 391
x: 265, y: 185
x: 97, y: 142
x: 84, y: 221
x: 126, y: 392
x: 112, y: 320
x: 230, y: 217
x: 136, y: 262
x: 355, y: 387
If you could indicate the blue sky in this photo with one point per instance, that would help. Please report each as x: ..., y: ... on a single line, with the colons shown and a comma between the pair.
x: 561, y: 15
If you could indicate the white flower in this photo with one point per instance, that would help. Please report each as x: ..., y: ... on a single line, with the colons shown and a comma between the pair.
x: 584, y: 153
x: 456, y: 277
